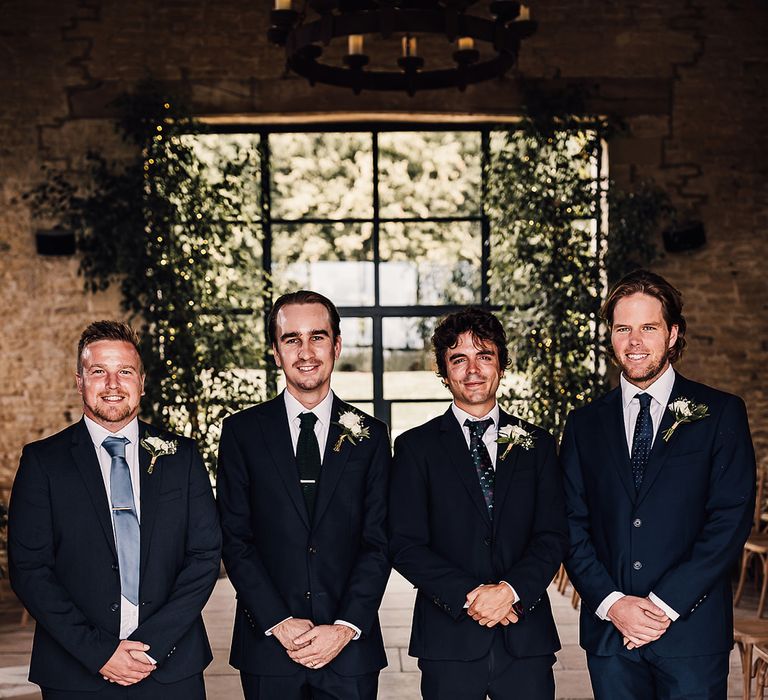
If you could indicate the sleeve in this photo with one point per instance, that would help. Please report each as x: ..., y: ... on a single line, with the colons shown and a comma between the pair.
x: 359, y: 604
x: 730, y: 508
x: 548, y: 541
x: 199, y: 571
x: 31, y: 554
x: 442, y: 581
x: 255, y: 588
x: 587, y: 573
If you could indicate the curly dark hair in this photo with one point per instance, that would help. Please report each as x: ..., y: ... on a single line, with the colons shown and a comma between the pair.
x: 303, y: 296
x: 653, y: 285
x: 483, y: 326
x: 107, y: 330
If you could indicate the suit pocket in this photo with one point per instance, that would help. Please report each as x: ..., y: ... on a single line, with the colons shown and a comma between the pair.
x: 687, y: 459
x: 169, y: 495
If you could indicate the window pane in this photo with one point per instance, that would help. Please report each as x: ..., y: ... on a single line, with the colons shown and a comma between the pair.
x: 333, y: 259
x: 321, y: 175
x: 430, y: 263
x: 352, y: 376
x: 409, y: 371
x: 425, y: 174
x: 408, y: 415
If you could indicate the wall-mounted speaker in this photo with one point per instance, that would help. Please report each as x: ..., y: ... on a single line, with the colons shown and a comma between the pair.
x: 687, y: 236
x: 55, y: 242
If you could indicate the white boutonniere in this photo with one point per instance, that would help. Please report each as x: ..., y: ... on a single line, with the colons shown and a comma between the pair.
x: 514, y: 436
x: 157, y: 447
x: 352, y: 429
x: 685, y: 411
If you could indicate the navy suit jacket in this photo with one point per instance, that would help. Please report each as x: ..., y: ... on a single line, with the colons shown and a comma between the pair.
x: 281, y: 563
x: 444, y: 542
x: 679, y: 536
x: 63, y: 561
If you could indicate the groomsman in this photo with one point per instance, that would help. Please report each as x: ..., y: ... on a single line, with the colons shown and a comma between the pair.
x: 114, y: 544
x: 660, y: 478
x: 302, y: 490
x: 477, y: 524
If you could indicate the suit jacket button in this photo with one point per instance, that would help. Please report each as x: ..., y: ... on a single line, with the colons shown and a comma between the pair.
x: 637, y: 522
x: 312, y: 550
x: 637, y: 566
x: 115, y: 567
x: 114, y: 607
x: 487, y: 541
x: 308, y: 595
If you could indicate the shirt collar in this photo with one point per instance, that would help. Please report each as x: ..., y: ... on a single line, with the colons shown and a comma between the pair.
x: 99, y: 433
x: 323, y: 410
x: 462, y: 415
x: 660, y: 390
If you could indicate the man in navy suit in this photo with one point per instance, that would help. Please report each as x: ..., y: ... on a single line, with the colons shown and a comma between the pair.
x: 660, y: 479
x: 477, y: 524
x: 114, y: 551
x: 302, y: 490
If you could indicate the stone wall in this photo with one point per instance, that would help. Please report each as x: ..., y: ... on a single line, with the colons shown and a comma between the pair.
x: 689, y: 76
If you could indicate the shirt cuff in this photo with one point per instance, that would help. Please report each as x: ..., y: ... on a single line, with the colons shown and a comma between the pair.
x: 514, y: 592
x: 268, y: 633
x: 608, y: 601
x: 150, y: 659
x: 354, y: 628
x: 671, y: 614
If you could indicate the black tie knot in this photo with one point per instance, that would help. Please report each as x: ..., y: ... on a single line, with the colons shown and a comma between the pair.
x: 308, y: 420
x: 115, y: 445
x: 644, y: 399
x: 477, y: 428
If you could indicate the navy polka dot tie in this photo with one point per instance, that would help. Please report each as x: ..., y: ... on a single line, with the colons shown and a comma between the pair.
x: 642, y: 440
x: 481, y: 458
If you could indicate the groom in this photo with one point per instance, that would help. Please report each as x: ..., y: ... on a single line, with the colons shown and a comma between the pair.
x: 477, y: 524
x: 114, y: 552
x: 660, y: 479
x: 302, y: 489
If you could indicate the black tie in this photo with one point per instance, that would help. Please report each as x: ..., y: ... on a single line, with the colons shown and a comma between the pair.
x: 642, y: 440
x: 481, y: 458
x: 308, y: 459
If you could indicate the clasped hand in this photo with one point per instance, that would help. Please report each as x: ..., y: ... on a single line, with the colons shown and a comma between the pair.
x: 129, y: 664
x: 491, y: 604
x: 639, y: 620
x: 312, y: 645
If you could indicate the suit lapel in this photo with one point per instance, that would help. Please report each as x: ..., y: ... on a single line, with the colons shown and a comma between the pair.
x: 150, y: 489
x: 333, y: 462
x: 455, y: 446
x: 505, y: 466
x: 84, y: 455
x: 660, y: 449
x: 277, y: 435
x: 615, y: 438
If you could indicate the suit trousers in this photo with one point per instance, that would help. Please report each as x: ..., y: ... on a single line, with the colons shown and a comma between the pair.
x: 497, y: 675
x: 641, y: 674
x: 308, y: 684
x: 192, y: 688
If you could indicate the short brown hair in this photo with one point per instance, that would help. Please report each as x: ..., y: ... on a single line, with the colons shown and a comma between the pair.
x: 483, y: 325
x: 303, y: 296
x: 653, y: 285
x: 107, y: 330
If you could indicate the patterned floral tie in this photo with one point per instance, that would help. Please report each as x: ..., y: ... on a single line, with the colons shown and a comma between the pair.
x: 642, y: 440
x: 481, y: 459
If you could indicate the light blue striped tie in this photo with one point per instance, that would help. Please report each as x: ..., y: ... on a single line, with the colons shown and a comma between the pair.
x: 125, y: 519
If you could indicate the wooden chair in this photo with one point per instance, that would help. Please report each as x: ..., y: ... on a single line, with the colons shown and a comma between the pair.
x: 756, y: 545
x: 760, y: 670
x: 748, y: 633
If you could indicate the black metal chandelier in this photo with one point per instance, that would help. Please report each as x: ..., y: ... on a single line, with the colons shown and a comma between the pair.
x: 325, y: 41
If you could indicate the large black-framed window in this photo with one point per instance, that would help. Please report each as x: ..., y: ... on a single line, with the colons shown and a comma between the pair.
x: 347, y: 208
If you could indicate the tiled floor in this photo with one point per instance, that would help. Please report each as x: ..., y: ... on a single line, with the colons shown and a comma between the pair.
x: 399, y: 681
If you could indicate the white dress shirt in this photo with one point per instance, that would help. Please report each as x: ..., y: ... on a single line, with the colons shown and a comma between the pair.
x: 294, y: 408
x: 659, y: 391
x: 489, y: 438
x: 129, y: 613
